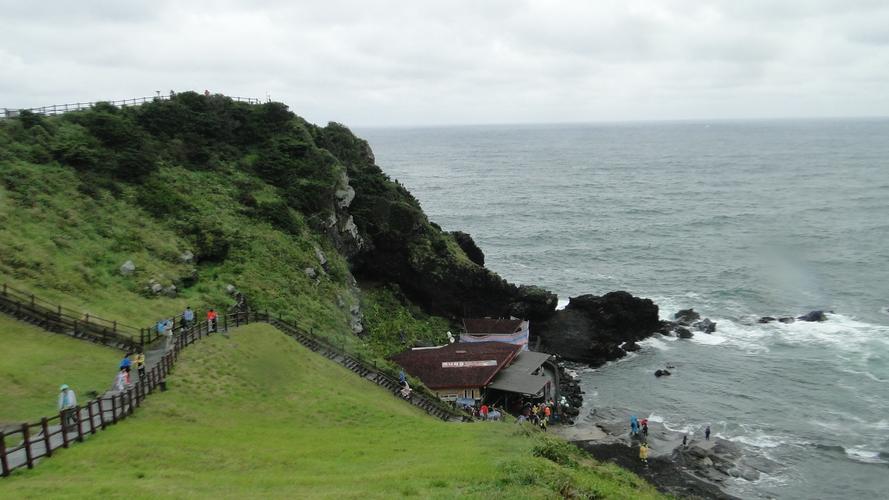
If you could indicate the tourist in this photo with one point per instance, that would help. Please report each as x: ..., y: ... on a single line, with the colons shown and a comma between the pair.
x: 645, y: 428
x: 211, y: 321
x: 139, y: 361
x: 160, y: 326
x: 643, y: 453
x: 634, y: 425
x: 120, y: 382
x: 547, y: 412
x: 543, y: 423
x: 125, y: 362
x: 685, y: 440
x: 484, y: 412
x: 67, y: 407
x: 493, y: 414
x: 406, y: 390
x: 707, y: 433
x: 188, y: 317
x: 168, y: 332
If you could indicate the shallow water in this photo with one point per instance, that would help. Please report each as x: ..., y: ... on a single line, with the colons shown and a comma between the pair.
x: 736, y: 219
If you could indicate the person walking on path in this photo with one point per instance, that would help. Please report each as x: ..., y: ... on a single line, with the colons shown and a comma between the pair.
x: 643, y: 454
x: 67, y: 406
x: 707, y: 433
x: 168, y: 332
x: 188, y: 317
x: 120, y: 382
x: 139, y: 361
x: 211, y: 321
x: 125, y: 362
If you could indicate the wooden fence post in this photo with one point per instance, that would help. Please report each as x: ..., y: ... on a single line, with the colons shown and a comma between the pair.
x: 64, y: 429
x: 130, y: 398
x: 101, y: 413
x: 89, y: 410
x: 45, y: 427
x: 113, y: 409
x: 79, y: 424
x: 4, y: 464
x: 26, y: 435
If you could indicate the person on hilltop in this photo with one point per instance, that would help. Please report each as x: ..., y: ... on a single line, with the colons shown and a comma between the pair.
x: 188, y: 317
x: 211, y: 321
x: 707, y: 433
x: 67, y: 406
x: 139, y: 361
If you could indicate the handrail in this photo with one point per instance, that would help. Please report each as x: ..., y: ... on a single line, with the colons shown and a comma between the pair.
x: 58, y: 109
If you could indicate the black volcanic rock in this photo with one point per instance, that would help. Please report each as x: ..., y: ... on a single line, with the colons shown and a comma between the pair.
x: 813, y: 316
x: 591, y: 329
x: 683, y: 333
x: 630, y: 346
x: 686, y: 317
x: 467, y: 244
x: 705, y: 326
x: 766, y: 319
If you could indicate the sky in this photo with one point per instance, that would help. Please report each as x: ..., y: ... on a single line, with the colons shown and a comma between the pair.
x: 388, y: 63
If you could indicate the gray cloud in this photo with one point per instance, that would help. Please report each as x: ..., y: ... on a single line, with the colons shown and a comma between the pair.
x: 388, y: 62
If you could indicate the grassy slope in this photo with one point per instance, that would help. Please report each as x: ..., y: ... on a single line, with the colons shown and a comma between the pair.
x: 259, y: 416
x: 34, y: 363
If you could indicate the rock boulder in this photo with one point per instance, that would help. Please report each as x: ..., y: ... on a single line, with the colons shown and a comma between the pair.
x: 686, y: 317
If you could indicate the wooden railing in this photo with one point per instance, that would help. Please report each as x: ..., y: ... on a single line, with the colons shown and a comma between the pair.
x: 28, y: 307
x: 58, y: 109
x: 23, y: 445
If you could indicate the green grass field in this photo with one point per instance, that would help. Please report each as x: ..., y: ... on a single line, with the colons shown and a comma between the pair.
x: 34, y: 362
x: 258, y: 416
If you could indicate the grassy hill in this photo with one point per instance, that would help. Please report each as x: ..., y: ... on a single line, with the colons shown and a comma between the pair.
x: 35, y: 362
x: 258, y: 416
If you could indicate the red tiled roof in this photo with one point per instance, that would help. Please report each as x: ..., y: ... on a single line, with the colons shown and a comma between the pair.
x: 488, y: 325
x: 446, y: 367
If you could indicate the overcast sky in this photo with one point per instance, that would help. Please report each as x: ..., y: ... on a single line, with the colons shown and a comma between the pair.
x: 412, y: 62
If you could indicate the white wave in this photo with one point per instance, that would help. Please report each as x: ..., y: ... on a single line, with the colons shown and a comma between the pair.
x: 859, y: 454
x: 562, y: 304
x: 866, y: 374
x: 759, y: 440
x: 658, y: 342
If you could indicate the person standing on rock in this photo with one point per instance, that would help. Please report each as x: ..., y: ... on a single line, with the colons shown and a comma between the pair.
x: 67, y: 406
x: 643, y: 453
x: 707, y: 433
x: 685, y: 440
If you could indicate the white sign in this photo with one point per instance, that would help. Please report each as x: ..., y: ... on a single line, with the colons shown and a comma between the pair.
x: 468, y: 364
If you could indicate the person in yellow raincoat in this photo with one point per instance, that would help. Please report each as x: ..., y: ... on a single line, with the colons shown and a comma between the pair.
x: 643, y: 453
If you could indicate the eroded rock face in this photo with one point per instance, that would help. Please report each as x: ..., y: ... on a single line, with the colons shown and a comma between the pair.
x: 813, y: 316
x: 686, y: 317
x: 705, y: 326
x: 591, y: 328
x: 469, y: 247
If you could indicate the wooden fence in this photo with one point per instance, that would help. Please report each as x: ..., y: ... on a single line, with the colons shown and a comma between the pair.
x: 53, y: 317
x: 21, y: 447
x: 58, y: 109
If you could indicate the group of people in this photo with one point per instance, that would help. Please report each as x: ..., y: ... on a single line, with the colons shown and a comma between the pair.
x: 639, y: 430
x: 539, y: 414
x: 122, y: 380
x: 165, y: 327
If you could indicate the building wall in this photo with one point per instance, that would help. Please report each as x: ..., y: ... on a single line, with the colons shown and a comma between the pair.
x: 453, y: 394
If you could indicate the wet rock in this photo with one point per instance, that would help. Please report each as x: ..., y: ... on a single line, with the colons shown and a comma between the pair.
x: 683, y: 333
x: 662, y: 373
x: 766, y: 319
x: 128, y: 268
x: 591, y: 329
x: 786, y: 319
x: 705, y: 326
x: 814, y: 316
x: 630, y: 346
x: 686, y: 317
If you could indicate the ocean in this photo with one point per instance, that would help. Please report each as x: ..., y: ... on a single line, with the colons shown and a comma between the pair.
x: 736, y: 219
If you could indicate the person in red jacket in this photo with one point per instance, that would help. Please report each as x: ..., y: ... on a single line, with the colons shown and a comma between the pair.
x: 211, y: 321
x: 484, y: 412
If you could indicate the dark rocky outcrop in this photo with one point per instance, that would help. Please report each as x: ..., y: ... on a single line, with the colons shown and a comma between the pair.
x: 683, y: 333
x: 786, y: 319
x: 813, y: 316
x: 705, y: 326
x: 662, y: 373
x: 400, y: 245
x: 766, y: 319
x: 592, y: 328
x: 686, y: 317
x: 630, y: 346
x: 467, y: 244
